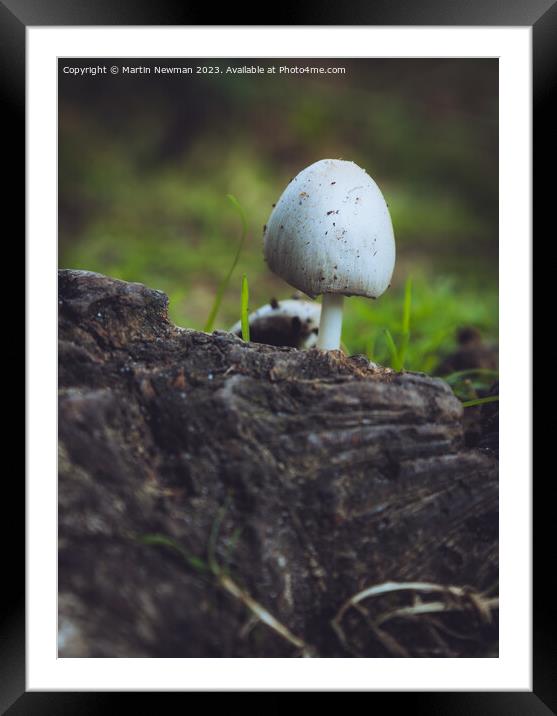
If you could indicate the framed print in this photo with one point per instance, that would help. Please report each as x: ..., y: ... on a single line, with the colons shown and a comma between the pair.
x: 275, y: 275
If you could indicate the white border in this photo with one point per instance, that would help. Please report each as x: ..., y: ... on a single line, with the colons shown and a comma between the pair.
x: 512, y: 670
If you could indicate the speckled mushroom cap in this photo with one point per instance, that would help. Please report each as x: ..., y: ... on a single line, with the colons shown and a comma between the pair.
x: 331, y: 232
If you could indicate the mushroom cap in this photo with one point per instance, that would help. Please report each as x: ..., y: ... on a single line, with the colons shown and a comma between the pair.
x: 291, y: 322
x: 331, y: 232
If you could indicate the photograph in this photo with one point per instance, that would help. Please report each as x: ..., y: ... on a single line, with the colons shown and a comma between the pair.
x: 278, y: 357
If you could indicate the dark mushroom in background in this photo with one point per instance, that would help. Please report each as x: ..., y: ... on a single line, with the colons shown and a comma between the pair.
x: 291, y: 322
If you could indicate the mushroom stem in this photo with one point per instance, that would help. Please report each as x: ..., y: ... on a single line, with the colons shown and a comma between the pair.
x: 330, y: 326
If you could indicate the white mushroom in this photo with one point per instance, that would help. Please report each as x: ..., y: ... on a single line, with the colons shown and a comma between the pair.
x: 291, y: 322
x: 330, y: 233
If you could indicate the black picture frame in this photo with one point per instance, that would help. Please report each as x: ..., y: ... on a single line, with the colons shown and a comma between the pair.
x: 541, y: 15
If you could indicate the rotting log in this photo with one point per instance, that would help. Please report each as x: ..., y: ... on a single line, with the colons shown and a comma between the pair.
x: 225, y: 499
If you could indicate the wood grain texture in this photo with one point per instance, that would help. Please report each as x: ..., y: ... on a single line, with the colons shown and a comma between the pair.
x: 325, y: 475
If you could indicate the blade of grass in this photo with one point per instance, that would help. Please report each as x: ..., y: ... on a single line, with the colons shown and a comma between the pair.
x: 480, y: 401
x: 405, y: 338
x: 370, y: 347
x: 224, y: 284
x: 407, y: 306
x: 392, y: 349
x: 230, y: 549
x: 245, y: 310
x: 159, y: 540
x: 214, y: 537
x: 457, y: 375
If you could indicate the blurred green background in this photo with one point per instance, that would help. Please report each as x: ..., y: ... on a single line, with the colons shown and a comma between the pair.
x: 146, y: 162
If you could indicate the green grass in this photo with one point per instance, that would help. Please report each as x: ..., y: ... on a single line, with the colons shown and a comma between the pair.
x: 244, y: 311
x: 160, y: 540
x: 398, y: 353
x: 405, y: 337
x: 393, y: 350
x: 438, y: 305
x: 224, y: 284
x: 468, y: 385
x: 472, y: 373
x: 480, y: 401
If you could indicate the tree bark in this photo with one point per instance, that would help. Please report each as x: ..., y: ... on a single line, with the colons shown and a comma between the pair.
x: 219, y: 498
